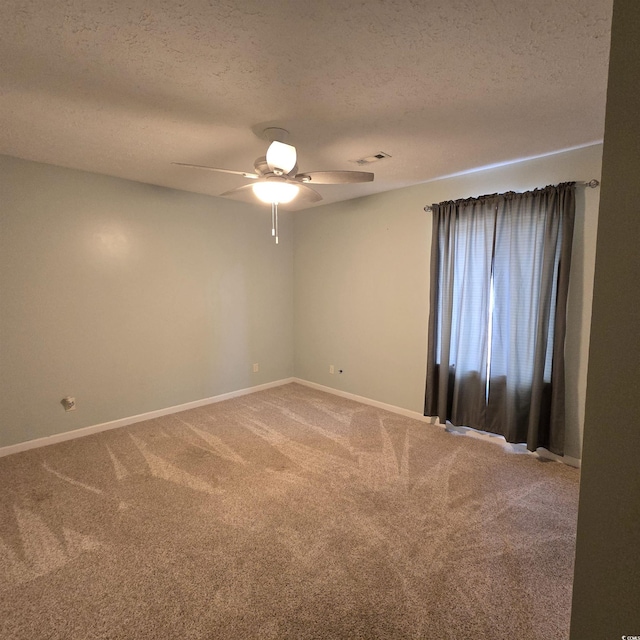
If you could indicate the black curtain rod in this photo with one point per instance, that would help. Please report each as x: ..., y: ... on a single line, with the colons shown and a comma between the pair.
x: 592, y: 184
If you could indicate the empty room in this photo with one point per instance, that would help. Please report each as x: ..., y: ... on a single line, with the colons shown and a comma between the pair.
x: 319, y: 321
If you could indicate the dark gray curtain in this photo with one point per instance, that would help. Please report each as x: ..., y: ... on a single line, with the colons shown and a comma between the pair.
x: 499, y: 281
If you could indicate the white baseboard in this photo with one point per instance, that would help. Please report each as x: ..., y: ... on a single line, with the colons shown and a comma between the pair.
x: 568, y: 460
x: 123, y: 422
x: 489, y: 437
x: 374, y: 403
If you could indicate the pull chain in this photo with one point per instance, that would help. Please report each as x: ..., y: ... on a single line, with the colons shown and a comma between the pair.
x: 274, y: 220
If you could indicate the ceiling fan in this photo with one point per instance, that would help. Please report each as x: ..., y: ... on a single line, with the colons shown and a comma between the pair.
x: 276, y: 177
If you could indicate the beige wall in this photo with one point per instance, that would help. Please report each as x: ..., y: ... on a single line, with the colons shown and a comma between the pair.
x: 361, y: 273
x: 131, y: 298
x: 606, y: 595
x: 134, y: 298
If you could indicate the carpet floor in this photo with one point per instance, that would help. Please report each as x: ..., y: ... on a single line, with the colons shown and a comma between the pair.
x: 287, y: 513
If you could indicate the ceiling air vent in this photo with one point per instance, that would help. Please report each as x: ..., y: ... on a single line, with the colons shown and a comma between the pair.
x: 381, y: 155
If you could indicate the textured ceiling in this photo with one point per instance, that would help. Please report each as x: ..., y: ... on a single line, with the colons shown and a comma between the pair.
x: 443, y: 86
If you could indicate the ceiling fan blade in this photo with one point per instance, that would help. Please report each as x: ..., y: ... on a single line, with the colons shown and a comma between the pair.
x: 334, y: 177
x: 246, y: 174
x: 247, y: 188
x: 308, y: 194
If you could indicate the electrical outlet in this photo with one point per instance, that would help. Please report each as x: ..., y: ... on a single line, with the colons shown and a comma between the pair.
x: 256, y: 367
x: 331, y: 369
x: 68, y: 403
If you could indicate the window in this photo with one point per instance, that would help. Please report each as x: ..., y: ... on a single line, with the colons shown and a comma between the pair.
x: 499, y: 280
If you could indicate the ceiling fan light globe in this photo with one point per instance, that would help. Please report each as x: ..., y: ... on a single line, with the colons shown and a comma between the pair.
x: 281, y: 156
x: 275, y: 191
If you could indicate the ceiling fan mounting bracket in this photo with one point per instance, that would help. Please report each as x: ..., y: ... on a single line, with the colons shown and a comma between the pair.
x: 275, y: 134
